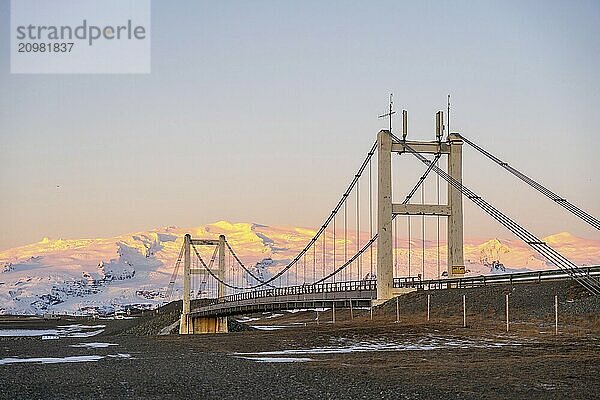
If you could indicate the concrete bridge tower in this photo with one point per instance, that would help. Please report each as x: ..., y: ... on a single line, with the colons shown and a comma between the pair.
x: 386, y: 208
x: 189, y: 324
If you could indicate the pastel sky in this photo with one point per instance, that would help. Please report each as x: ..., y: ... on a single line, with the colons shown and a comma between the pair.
x: 261, y: 111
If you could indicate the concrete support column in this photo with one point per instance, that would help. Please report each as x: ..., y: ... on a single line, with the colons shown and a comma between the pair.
x: 385, y: 272
x: 456, y: 264
x: 221, y: 272
x: 186, y: 273
x: 184, y: 322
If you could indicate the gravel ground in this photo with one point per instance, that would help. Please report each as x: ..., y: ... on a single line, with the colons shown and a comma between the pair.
x: 407, y: 360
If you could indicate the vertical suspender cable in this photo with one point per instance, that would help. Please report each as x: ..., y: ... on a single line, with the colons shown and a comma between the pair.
x: 296, y: 277
x: 192, y: 282
x: 304, y: 267
x: 438, y: 220
x: 346, y: 237
x: 334, y: 248
x: 358, y: 228
x: 409, y: 245
x: 323, y: 259
x: 371, y: 214
x: 232, y: 270
x: 314, y: 262
x: 395, y: 247
x: 423, y: 233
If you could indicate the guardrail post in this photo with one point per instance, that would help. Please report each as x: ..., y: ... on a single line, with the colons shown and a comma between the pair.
x: 464, y: 311
x: 397, y: 310
x: 333, y: 311
x: 556, y: 314
x: 428, y: 302
x: 351, y: 310
x: 507, y: 326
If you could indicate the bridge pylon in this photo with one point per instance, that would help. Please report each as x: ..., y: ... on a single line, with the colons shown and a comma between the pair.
x: 193, y: 325
x: 386, y: 209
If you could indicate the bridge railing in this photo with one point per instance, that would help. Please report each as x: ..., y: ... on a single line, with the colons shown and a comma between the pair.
x: 483, y: 280
x: 404, y: 282
x: 365, y: 285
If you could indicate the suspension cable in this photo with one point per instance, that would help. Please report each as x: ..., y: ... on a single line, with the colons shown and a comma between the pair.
x: 211, y: 273
x: 327, y: 221
x: 243, y: 266
x: 561, y: 201
x: 407, y: 199
x: 210, y: 265
x: 171, y: 285
x: 375, y: 236
x: 541, y: 247
x: 317, y: 235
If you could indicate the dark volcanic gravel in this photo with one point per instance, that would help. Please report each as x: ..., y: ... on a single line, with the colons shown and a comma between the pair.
x: 477, y: 362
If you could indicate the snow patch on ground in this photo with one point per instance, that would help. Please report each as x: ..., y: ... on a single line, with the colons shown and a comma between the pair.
x: 50, y: 360
x: 59, y: 360
x: 274, y: 316
x: 427, y: 343
x: 278, y: 359
x: 247, y: 319
x: 60, y: 331
x: 269, y: 327
x: 94, y: 345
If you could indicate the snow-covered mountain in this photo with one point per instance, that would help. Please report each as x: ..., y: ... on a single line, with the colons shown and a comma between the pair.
x: 87, y: 275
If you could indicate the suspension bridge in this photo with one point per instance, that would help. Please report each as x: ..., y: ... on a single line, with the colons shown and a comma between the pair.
x: 338, y: 268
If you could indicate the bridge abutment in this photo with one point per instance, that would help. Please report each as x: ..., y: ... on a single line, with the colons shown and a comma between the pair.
x: 394, y: 293
x: 190, y: 325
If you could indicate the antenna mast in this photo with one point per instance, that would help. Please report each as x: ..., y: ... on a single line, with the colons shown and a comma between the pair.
x: 448, y: 116
x: 390, y: 112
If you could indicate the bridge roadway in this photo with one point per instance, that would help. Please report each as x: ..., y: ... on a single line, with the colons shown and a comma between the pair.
x: 359, y: 293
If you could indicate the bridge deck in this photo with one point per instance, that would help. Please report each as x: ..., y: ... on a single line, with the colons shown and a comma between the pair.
x: 359, y: 293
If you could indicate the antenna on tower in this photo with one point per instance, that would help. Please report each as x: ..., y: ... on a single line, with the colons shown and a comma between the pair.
x: 439, y: 125
x: 448, y: 116
x: 404, y: 124
x: 390, y: 113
